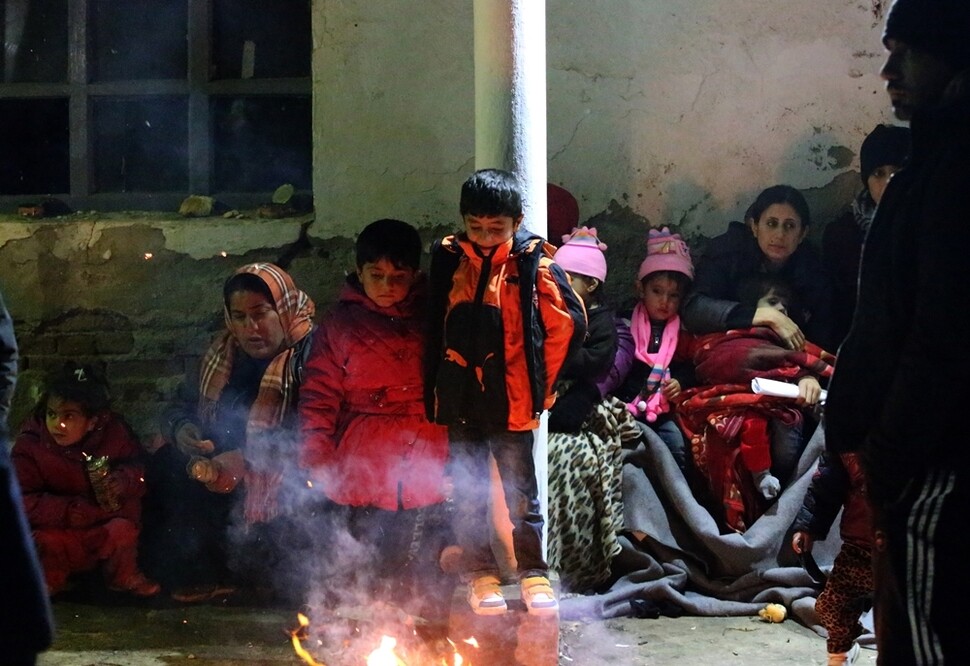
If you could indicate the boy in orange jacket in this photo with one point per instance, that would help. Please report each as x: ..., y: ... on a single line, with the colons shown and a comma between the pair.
x: 503, y: 320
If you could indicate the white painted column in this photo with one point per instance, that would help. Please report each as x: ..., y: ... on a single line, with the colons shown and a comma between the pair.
x: 510, y: 133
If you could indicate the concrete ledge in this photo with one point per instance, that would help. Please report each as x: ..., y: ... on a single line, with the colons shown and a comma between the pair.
x: 516, y: 638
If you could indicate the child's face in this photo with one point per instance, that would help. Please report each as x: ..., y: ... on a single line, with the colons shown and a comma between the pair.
x: 256, y: 325
x: 384, y: 283
x: 66, y: 421
x: 774, y: 300
x: 488, y: 231
x: 660, y: 296
x: 583, y: 285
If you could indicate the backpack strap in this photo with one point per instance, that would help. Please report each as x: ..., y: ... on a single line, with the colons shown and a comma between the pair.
x: 534, y: 334
x: 444, y: 263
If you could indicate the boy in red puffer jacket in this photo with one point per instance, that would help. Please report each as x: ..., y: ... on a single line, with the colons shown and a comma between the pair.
x: 79, y: 519
x: 366, y: 440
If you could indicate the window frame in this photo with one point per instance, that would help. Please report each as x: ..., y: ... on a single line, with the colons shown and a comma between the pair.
x: 197, y: 87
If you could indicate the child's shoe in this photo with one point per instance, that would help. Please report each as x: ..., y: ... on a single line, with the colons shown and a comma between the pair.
x: 485, y: 595
x: 844, y: 658
x: 139, y: 585
x: 538, y: 595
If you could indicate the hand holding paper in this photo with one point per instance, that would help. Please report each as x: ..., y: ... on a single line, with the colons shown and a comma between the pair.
x: 780, y: 389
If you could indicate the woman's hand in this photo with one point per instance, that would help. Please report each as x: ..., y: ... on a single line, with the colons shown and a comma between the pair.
x: 189, y: 440
x: 809, y: 391
x: 781, y: 324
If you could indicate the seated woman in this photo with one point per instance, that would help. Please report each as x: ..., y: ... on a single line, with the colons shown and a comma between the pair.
x: 770, y: 241
x: 230, y: 447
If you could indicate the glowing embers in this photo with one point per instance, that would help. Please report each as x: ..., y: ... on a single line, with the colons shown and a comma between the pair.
x: 349, y: 642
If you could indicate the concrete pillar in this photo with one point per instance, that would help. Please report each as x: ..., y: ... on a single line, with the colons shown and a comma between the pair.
x: 510, y: 133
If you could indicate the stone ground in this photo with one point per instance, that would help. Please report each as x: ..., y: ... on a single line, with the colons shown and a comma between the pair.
x: 122, y: 632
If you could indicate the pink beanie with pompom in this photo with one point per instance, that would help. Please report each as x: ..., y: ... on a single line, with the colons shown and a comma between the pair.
x: 666, y: 252
x: 582, y: 253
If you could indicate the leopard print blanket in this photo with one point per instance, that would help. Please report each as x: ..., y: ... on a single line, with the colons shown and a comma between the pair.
x: 585, y: 496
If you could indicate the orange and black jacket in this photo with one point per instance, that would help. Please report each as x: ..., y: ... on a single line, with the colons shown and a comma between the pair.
x: 501, y: 327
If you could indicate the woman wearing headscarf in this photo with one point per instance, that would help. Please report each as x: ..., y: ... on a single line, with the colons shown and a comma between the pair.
x: 225, y: 485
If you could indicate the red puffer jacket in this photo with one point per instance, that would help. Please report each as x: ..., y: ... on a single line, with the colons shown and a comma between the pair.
x: 53, y: 478
x: 365, y: 434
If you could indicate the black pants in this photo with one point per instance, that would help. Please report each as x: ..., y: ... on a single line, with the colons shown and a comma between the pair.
x: 920, y: 572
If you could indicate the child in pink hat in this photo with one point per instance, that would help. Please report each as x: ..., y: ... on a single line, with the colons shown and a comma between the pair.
x: 581, y: 256
x: 664, y: 278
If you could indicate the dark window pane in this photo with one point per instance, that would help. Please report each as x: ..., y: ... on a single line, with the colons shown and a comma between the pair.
x: 34, y: 40
x: 140, y: 144
x: 34, y: 156
x: 261, y: 143
x: 138, y: 39
x: 261, y: 39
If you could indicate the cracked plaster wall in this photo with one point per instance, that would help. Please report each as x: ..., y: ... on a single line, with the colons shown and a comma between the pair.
x: 679, y: 111
x: 673, y: 112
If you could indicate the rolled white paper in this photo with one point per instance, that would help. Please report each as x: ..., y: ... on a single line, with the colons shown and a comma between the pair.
x: 780, y: 389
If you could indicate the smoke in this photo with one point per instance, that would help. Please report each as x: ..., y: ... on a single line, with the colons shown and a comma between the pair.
x: 355, y: 572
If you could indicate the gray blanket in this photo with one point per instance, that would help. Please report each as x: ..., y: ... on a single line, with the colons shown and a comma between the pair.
x: 684, y: 562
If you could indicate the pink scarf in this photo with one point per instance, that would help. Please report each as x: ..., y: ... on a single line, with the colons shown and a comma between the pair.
x: 651, y: 402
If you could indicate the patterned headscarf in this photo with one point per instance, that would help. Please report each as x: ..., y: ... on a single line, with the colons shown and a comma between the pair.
x: 277, y: 388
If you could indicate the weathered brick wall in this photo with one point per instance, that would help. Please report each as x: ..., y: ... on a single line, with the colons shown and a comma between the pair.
x: 141, y: 294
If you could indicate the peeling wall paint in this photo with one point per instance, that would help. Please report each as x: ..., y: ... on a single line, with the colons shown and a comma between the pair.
x: 675, y: 112
x: 682, y: 110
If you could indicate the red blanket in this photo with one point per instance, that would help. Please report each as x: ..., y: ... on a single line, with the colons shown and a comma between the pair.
x: 724, y: 422
x: 738, y: 356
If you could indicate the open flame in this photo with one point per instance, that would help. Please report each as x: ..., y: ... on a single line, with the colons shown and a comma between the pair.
x: 385, y: 654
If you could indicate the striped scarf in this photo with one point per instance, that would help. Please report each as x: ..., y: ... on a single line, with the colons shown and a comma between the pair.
x: 654, y: 402
x: 277, y: 390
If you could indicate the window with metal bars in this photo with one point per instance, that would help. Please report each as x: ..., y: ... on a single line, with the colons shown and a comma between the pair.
x: 121, y: 104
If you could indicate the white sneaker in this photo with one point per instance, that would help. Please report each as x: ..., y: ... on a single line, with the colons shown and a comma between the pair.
x: 845, y: 658
x: 485, y: 596
x: 538, y: 595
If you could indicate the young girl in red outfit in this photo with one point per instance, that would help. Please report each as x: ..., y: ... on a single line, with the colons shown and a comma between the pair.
x: 78, y: 467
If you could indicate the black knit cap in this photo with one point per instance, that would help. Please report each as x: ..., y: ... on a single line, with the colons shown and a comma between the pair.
x: 938, y: 27
x: 886, y: 144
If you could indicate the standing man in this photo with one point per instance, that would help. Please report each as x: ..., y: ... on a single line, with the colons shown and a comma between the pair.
x: 900, y: 385
x: 25, y: 617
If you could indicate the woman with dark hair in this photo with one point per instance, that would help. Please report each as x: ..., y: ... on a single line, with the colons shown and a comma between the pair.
x: 769, y: 242
x: 222, y: 479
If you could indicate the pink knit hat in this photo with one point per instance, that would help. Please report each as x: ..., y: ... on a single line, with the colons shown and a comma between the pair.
x: 666, y: 252
x: 582, y: 253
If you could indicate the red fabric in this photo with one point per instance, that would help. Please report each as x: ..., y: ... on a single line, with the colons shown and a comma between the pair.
x: 71, y: 531
x: 856, y: 524
x: 713, y: 419
x: 755, y: 443
x: 53, y: 479
x: 562, y: 212
x: 113, y: 544
x: 362, y: 415
x: 738, y: 356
